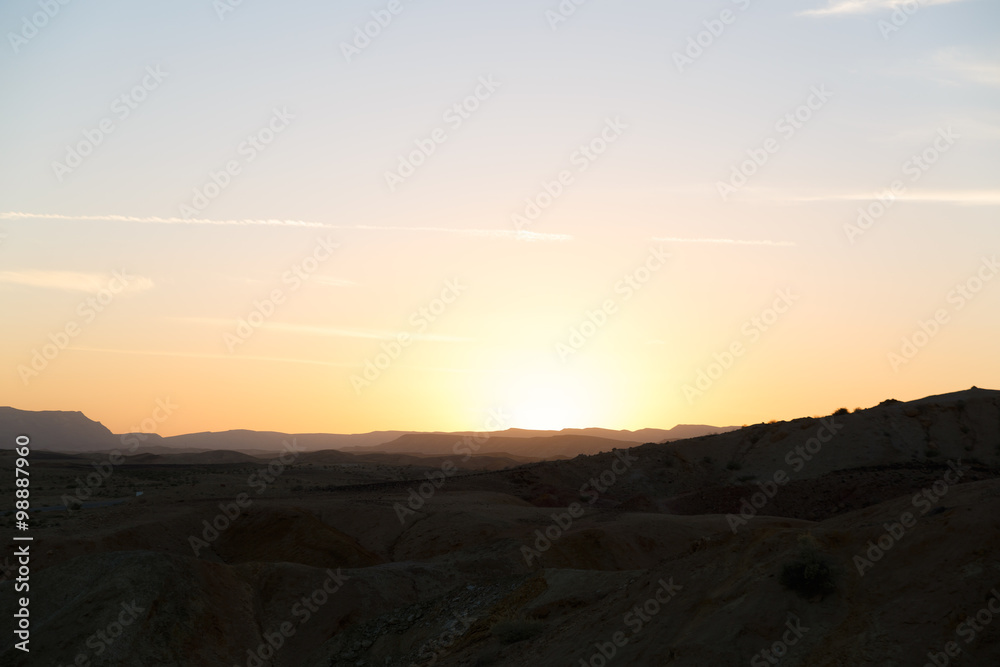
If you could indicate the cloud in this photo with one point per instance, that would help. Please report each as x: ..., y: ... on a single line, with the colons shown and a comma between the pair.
x: 960, y: 197
x: 503, y: 234
x: 356, y: 333
x: 672, y: 239
x: 843, y: 7
x: 198, y: 355
x: 70, y: 281
x: 332, y: 282
x: 155, y: 220
x: 960, y: 65
x: 334, y: 332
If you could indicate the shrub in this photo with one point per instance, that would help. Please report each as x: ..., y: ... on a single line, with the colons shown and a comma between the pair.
x: 810, y: 575
x: 841, y: 411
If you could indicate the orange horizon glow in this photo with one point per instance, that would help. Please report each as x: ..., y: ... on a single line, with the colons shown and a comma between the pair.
x: 403, y: 239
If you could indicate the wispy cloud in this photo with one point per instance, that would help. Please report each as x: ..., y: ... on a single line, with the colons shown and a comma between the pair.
x: 960, y: 197
x: 333, y: 332
x: 199, y: 355
x: 332, y: 282
x: 156, y: 220
x: 954, y: 63
x: 502, y: 234
x: 357, y: 333
x: 70, y: 281
x: 674, y: 239
x: 843, y: 7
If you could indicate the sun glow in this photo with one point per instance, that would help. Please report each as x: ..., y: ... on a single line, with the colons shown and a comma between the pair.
x: 548, y: 403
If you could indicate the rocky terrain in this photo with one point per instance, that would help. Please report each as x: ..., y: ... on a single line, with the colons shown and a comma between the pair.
x: 860, y: 538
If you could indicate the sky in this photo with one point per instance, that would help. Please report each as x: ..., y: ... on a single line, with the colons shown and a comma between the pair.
x: 420, y: 215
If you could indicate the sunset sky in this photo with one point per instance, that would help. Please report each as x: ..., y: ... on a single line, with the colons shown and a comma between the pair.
x: 171, y: 169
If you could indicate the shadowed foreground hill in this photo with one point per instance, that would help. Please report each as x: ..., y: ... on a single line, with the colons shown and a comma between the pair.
x: 880, y: 548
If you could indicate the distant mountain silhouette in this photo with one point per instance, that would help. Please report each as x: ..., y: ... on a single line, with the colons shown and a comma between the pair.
x: 74, y: 432
x: 55, y: 430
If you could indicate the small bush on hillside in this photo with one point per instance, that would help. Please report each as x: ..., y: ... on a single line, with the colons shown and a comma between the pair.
x: 810, y: 575
x: 841, y: 411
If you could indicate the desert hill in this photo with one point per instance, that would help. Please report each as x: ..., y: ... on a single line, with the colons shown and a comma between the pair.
x: 490, y: 568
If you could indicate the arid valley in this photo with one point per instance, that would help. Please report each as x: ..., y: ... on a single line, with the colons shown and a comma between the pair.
x: 861, y: 538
